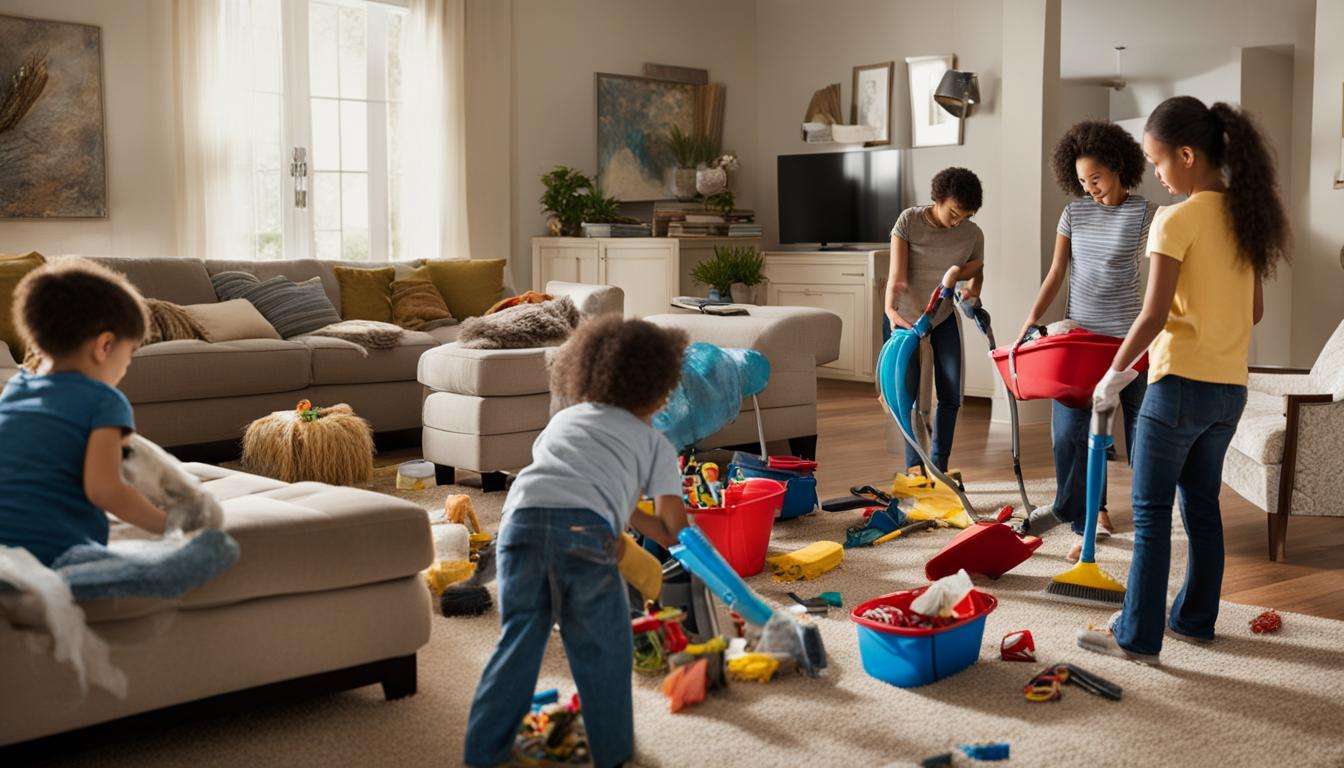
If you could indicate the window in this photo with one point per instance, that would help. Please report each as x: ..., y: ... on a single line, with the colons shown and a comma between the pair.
x: 343, y: 78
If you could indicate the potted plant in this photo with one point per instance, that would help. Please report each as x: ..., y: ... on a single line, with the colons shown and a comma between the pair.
x: 748, y: 268
x: 716, y: 272
x: 567, y: 198
x: 689, y: 150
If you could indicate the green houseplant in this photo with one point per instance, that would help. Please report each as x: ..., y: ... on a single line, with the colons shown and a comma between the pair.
x: 732, y: 271
x: 572, y: 198
x: 688, y: 151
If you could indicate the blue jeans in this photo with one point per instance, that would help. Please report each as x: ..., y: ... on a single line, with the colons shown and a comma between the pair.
x: 945, y: 338
x: 1184, y: 429
x: 557, y: 565
x: 1068, y: 430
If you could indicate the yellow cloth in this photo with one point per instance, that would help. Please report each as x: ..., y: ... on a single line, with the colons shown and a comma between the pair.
x: 933, y: 501
x: 12, y: 270
x: 807, y: 563
x: 752, y: 667
x: 468, y: 286
x: 457, y: 508
x: 641, y: 569
x: 1208, y: 332
x: 445, y: 573
x: 366, y: 294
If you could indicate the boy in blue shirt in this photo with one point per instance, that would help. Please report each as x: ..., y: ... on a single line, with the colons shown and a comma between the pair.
x: 560, y: 535
x: 63, y: 424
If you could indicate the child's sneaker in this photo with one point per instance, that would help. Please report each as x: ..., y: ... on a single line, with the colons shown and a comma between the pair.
x: 1102, y: 640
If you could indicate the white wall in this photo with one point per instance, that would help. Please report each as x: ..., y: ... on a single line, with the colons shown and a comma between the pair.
x: 139, y: 134
x: 1318, y: 279
x: 559, y: 44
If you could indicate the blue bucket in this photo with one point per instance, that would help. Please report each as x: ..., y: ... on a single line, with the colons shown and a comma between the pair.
x: 800, y: 495
x: 907, y: 657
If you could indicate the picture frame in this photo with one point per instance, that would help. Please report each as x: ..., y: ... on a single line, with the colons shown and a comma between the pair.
x: 870, y: 100
x: 930, y: 124
x: 633, y: 115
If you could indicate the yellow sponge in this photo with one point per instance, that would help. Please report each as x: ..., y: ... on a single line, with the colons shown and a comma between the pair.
x: 641, y: 569
x: 445, y: 573
x: 807, y: 563
x: 752, y: 667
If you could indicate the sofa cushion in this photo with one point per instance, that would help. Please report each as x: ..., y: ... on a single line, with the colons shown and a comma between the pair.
x: 470, y: 414
x: 310, y: 537
x: 293, y: 308
x: 366, y: 294
x: 468, y: 286
x: 1327, y: 373
x: 181, y: 281
x: 230, y: 320
x: 336, y: 361
x: 12, y: 270
x: 485, y: 372
x: 417, y: 305
x: 590, y: 300
x: 193, y: 370
x: 1260, y: 432
x: 297, y: 270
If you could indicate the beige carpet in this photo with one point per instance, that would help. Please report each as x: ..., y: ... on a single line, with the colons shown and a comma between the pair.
x: 1243, y: 700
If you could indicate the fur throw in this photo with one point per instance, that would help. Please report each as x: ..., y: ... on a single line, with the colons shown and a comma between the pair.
x: 369, y: 334
x: 169, y: 322
x: 169, y: 486
x: 521, y: 327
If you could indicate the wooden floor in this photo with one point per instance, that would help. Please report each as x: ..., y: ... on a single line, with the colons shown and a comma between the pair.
x: 851, y: 449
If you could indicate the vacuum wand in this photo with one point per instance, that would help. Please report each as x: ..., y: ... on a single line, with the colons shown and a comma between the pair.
x: 1098, y: 440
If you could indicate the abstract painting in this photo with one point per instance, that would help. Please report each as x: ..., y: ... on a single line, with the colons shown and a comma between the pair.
x: 52, y: 145
x: 633, y: 116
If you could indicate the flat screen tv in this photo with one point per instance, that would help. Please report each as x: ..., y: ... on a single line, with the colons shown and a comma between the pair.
x: 838, y: 198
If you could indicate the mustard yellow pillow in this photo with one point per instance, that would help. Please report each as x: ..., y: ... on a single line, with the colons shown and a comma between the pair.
x: 12, y: 270
x: 366, y: 294
x: 468, y: 286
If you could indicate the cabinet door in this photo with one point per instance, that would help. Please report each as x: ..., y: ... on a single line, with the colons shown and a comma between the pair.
x: 845, y: 301
x: 561, y: 262
x: 588, y: 266
x: 643, y: 273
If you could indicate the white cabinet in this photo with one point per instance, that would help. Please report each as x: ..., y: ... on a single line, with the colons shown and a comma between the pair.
x: 651, y: 270
x: 848, y: 283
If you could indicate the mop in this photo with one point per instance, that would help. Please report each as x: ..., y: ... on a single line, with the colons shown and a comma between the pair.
x: 1086, y: 582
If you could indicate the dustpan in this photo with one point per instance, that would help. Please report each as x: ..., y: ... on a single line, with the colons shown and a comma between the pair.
x: 988, y: 548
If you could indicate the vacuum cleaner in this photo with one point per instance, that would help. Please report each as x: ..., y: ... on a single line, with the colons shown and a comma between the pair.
x: 1086, y: 582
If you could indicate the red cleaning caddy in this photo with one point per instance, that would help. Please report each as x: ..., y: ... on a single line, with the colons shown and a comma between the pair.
x: 1065, y: 367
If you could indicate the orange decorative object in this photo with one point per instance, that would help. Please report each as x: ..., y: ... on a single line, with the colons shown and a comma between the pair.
x: 527, y: 297
x: 304, y: 405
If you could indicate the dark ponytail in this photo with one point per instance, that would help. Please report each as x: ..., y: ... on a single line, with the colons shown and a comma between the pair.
x: 1231, y: 141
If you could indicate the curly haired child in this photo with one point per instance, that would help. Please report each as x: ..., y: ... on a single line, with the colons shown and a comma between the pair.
x: 925, y: 242
x: 1099, y: 242
x: 559, y: 538
x: 1208, y: 257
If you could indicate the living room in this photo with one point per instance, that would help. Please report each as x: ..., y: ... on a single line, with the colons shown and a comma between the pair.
x: 370, y: 242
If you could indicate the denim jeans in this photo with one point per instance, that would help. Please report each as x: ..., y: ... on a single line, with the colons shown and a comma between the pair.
x: 1068, y: 431
x: 1184, y: 429
x: 945, y: 338
x: 557, y: 565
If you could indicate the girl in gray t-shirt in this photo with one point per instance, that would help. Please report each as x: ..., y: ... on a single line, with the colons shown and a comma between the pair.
x: 926, y: 241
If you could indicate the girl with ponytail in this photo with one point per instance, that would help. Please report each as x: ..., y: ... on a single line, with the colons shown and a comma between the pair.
x: 1208, y: 256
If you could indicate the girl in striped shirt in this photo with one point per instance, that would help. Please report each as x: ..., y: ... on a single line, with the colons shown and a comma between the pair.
x: 1099, y: 244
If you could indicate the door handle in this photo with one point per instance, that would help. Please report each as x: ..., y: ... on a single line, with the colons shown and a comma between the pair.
x: 851, y: 274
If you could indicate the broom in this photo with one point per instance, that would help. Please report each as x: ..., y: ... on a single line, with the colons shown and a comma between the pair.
x: 1086, y: 582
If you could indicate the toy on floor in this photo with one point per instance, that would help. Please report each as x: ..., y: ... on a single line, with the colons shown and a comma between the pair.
x: 819, y: 604
x: 1086, y: 582
x: 752, y: 667
x: 1266, y: 622
x: 415, y: 475
x: 470, y: 597
x: 697, y: 669
x: 1018, y: 646
x: 553, y: 733
x: 989, y: 751
x: 990, y: 548
x: 1048, y: 684
x: 647, y: 632
x: 807, y: 563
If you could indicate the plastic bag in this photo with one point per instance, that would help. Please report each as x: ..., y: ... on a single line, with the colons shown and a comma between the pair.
x: 713, y: 382
x: 943, y: 594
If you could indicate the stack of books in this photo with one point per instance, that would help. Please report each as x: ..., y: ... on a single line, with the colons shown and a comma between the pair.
x: 615, y: 230
x: 675, y: 219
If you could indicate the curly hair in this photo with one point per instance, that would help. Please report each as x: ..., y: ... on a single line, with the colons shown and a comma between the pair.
x: 1104, y: 141
x: 632, y: 364
x: 1230, y: 139
x: 60, y: 306
x: 960, y: 184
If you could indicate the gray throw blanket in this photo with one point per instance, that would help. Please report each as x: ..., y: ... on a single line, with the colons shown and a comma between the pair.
x: 521, y: 327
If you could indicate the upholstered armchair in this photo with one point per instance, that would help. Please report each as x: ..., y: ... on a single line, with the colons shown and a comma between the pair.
x: 1286, y: 456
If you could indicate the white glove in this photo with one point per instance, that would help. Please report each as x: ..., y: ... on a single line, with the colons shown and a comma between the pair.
x: 1106, y: 396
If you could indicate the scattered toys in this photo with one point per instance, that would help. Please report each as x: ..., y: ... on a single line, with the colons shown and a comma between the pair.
x: 989, y: 751
x: 1048, y: 684
x: 687, y: 685
x: 471, y: 598
x: 415, y: 475
x: 818, y: 604
x: 752, y: 667
x: 553, y: 733
x: 444, y: 573
x: 648, y: 639
x: 1267, y: 622
x: 800, y: 497
x: 807, y: 563
x: 1018, y: 646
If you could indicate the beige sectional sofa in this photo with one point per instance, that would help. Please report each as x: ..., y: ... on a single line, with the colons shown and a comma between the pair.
x: 327, y: 595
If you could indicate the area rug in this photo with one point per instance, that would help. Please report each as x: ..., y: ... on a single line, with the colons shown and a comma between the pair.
x: 1244, y: 699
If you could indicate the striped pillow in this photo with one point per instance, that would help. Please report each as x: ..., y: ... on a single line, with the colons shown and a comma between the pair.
x: 232, y: 284
x: 293, y: 308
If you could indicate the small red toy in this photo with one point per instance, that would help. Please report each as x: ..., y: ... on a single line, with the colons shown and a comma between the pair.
x: 1018, y: 646
x: 1269, y: 621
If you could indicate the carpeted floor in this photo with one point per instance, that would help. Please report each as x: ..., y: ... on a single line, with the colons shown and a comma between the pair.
x: 1242, y: 700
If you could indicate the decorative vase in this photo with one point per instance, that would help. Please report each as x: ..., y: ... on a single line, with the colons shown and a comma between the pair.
x: 554, y: 227
x: 714, y: 295
x: 748, y: 294
x: 710, y: 181
x: 684, y: 183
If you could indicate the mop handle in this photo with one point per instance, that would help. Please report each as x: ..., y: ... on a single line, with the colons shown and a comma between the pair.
x: 1098, y: 440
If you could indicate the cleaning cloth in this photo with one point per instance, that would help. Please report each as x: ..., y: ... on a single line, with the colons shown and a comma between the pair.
x: 807, y: 563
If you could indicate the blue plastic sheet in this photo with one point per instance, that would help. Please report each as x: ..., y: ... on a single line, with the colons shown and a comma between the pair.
x: 713, y: 382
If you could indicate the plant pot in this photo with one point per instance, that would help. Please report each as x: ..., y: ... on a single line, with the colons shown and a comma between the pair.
x: 748, y: 294
x: 714, y: 295
x: 683, y: 183
x: 710, y: 181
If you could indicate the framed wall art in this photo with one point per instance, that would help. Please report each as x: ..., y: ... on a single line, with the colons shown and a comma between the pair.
x: 930, y: 124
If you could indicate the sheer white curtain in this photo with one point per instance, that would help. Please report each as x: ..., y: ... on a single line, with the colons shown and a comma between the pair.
x: 433, y: 208
x: 211, y: 48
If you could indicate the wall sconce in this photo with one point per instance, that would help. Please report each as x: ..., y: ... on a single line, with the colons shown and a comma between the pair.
x: 957, y: 92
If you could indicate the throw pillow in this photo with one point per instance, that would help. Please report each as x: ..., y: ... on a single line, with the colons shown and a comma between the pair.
x: 12, y: 270
x: 293, y: 308
x: 417, y: 306
x: 527, y: 297
x: 170, y: 322
x: 232, y: 284
x: 230, y: 321
x: 366, y: 294
x: 468, y: 286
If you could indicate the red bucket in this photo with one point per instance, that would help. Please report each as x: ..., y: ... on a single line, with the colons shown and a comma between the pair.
x: 1066, y: 367
x: 740, y: 529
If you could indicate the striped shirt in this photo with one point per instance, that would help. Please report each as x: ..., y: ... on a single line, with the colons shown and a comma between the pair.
x: 1106, y: 243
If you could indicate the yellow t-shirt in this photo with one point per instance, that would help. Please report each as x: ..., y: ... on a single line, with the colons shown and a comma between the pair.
x: 1208, y: 331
